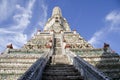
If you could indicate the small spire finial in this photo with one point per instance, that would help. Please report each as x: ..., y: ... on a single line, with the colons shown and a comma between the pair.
x: 56, y: 11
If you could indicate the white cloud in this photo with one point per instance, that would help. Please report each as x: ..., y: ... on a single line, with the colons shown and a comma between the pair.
x: 44, y: 16
x: 16, y: 38
x: 95, y: 40
x: 114, y: 17
x: 6, y: 6
x: 33, y: 32
x: 14, y: 34
x: 112, y: 20
x: 23, y: 18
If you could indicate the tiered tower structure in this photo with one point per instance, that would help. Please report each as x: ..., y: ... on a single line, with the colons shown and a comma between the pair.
x: 57, y: 53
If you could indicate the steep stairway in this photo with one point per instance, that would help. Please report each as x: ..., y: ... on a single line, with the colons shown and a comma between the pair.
x: 60, y: 69
x: 57, y: 46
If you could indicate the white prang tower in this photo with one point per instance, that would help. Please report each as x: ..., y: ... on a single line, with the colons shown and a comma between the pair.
x: 57, y: 22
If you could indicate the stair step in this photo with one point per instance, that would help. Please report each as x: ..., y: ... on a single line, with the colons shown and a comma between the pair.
x: 20, y: 56
x: 62, y: 78
x: 61, y: 65
x: 9, y: 76
x: 12, y: 71
x: 113, y: 75
x: 111, y: 70
x: 60, y: 73
x: 11, y: 68
x: 108, y: 66
x: 6, y: 65
x: 60, y: 68
x: 68, y: 70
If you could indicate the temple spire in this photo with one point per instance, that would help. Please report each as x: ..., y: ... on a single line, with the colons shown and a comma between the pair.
x: 57, y: 22
x: 56, y: 11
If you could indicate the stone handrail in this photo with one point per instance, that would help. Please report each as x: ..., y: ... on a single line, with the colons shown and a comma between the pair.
x: 35, y: 71
x: 88, y: 71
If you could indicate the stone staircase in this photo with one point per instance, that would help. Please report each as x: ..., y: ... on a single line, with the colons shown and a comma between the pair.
x: 108, y: 63
x: 12, y: 66
x: 57, y: 46
x: 60, y: 69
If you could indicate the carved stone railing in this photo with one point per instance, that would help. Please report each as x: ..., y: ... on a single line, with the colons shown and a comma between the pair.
x: 88, y: 71
x: 35, y: 71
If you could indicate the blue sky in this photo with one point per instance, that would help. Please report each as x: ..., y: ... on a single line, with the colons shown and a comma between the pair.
x: 98, y: 21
